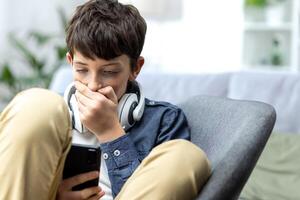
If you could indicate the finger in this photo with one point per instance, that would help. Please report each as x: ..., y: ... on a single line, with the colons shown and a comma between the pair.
x: 83, y: 89
x: 89, y: 192
x: 86, y: 105
x: 83, y: 99
x: 109, y: 93
x: 98, y: 196
x: 81, y: 178
x: 82, y: 108
x: 82, y: 112
x: 90, y: 95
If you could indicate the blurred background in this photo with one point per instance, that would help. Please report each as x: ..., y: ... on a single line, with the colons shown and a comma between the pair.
x: 240, y: 49
x: 184, y: 36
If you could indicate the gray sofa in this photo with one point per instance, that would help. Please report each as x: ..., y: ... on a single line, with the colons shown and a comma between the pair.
x: 233, y: 134
x: 276, y: 173
x: 279, y: 89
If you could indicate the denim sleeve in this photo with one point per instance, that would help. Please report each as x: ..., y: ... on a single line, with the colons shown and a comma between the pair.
x: 173, y: 126
x: 121, y: 155
x: 121, y: 159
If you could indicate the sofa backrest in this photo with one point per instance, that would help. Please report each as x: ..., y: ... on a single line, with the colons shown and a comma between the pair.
x: 280, y: 89
x: 176, y: 88
x: 233, y: 134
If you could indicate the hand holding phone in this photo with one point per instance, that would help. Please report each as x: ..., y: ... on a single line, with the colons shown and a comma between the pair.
x: 65, y: 189
x: 82, y: 159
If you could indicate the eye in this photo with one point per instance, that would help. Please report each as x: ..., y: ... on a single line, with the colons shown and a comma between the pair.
x: 110, y: 72
x: 81, y: 70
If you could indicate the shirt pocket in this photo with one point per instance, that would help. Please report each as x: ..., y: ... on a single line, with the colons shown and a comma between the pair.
x: 127, y: 171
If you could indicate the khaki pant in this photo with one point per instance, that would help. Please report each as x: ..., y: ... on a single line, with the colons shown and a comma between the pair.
x: 35, y: 136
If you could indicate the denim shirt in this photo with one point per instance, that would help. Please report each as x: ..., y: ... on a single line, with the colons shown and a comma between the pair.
x: 161, y: 122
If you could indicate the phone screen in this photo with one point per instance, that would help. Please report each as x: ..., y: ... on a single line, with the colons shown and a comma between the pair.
x: 81, y: 159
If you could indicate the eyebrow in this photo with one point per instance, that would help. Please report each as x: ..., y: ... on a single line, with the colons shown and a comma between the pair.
x: 80, y: 63
x: 111, y: 63
x: 105, y: 65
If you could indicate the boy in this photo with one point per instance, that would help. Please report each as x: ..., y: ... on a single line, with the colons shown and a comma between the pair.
x: 151, y: 160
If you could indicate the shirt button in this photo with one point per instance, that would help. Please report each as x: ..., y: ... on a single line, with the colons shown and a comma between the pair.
x: 105, y: 156
x: 152, y: 103
x: 116, y: 152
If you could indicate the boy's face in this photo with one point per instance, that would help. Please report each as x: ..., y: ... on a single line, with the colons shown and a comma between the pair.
x: 99, y: 73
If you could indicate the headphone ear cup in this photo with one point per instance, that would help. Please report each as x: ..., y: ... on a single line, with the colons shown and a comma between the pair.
x: 126, y: 106
x: 139, y: 110
x: 71, y: 101
x: 69, y: 91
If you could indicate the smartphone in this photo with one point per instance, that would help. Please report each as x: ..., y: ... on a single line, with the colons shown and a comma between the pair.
x: 81, y: 159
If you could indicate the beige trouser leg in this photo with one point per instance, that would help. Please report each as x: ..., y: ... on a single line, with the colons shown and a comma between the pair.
x: 35, y: 136
x: 173, y: 170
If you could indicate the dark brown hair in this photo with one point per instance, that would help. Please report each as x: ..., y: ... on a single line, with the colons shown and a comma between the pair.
x: 106, y: 29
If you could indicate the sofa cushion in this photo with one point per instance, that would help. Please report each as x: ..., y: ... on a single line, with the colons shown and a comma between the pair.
x: 176, y: 88
x: 282, y: 90
x: 276, y: 175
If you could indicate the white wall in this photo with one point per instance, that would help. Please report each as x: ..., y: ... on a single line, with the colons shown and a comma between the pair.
x: 207, y: 38
x: 20, y: 16
x: 3, y: 27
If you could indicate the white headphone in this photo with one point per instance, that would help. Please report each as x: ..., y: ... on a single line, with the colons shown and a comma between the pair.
x: 130, y: 108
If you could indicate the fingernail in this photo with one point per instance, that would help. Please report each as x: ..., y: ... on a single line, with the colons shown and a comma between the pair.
x: 101, y: 193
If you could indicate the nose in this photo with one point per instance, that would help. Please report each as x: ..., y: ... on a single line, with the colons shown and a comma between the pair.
x: 94, y: 85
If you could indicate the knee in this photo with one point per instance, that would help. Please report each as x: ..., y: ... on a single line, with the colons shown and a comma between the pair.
x: 41, y: 103
x: 38, y: 113
x: 185, y: 166
x: 191, y: 157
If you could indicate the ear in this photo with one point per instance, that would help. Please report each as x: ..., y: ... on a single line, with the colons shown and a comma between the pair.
x: 69, y: 58
x: 139, y: 64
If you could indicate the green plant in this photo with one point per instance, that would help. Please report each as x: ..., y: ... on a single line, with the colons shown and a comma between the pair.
x: 262, y: 3
x: 256, y: 3
x: 40, y: 68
